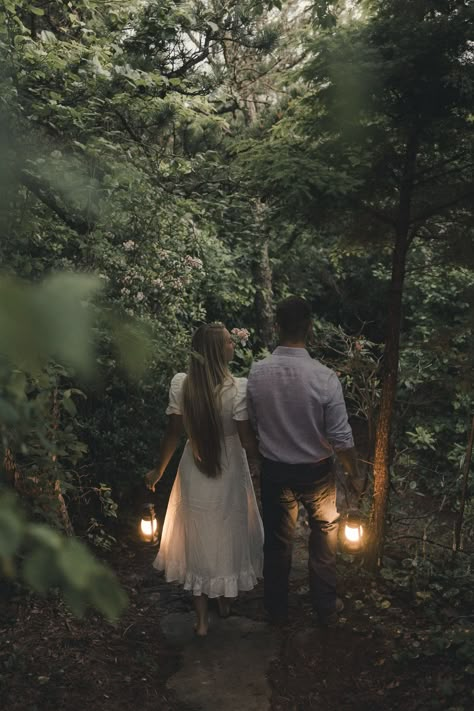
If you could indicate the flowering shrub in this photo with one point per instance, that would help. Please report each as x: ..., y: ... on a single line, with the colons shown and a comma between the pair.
x: 240, y: 336
x: 243, y: 356
x: 149, y: 277
x: 193, y: 262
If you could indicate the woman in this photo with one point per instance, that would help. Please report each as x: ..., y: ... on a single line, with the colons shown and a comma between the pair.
x: 212, y: 536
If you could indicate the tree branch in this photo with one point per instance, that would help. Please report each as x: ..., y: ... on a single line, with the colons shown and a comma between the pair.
x: 439, y: 176
x: 447, y: 161
x: 426, y: 540
x: 47, y: 197
x: 192, y: 61
x: 436, y: 209
x: 379, y: 215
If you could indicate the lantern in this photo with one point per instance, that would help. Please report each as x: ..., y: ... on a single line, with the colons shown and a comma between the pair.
x: 354, y: 532
x: 149, y: 525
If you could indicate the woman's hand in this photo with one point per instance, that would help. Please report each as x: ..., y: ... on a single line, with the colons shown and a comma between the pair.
x: 254, y: 467
x: 151, y: 479
x: 169, y: 443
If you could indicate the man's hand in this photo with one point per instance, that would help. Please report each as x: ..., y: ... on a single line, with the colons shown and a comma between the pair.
x: 356, y: 483
x: 151, y: 479
x: 254, y: 467
x: 356, y: 486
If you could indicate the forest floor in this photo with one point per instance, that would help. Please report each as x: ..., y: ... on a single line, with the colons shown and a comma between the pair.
x: 404, y: 641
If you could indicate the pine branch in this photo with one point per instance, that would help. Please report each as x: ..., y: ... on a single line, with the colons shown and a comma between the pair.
x: 47, y: 197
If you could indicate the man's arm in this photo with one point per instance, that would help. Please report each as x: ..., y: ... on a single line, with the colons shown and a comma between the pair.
x: 348, y: 459
x: 339, y: 434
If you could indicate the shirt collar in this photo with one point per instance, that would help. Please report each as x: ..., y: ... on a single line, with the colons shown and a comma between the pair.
x: 293, y: 352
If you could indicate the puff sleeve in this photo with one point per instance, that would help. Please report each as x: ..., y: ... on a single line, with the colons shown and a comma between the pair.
x: 174, y: 405
x: 239, y: 409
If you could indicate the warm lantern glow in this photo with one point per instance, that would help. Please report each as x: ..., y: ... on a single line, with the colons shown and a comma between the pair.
x: 353, y: 532
x: 149, y: 528
x: 149, y: 524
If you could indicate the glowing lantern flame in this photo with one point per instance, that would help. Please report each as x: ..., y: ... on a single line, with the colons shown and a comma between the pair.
x: 353, y: 531
x: 149, y: 528
x: 149, y: 524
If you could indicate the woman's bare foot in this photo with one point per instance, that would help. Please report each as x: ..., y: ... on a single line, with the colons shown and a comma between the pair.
x: 202, y: 624
x: 224, y: 606
x: 200, y: 630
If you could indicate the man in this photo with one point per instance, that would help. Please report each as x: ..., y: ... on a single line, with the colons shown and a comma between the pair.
x: 297, y: 408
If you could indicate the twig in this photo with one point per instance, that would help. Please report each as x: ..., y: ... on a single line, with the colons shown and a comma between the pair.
x: 415, y: 518
x: 432, y: 543
x: 467, y: 462
x: 456, y: 619
x: 127, y: 628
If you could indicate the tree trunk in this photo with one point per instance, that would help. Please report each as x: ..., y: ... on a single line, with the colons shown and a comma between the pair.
x: 264, y: 296
x: 391, y: 360
x: 387, y: 402
x: 464, y: 491
x: 32, y: 487
x: 9, y: 466
x: 62, y: 509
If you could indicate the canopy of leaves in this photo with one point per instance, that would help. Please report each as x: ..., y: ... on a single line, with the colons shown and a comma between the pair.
x: 152, y: 148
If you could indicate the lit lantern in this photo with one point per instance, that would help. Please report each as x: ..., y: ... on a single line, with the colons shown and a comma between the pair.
x: 354, y: 532
x: 149, y: 525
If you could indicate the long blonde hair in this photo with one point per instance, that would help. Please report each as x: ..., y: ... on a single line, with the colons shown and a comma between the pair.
x: 207, y: 373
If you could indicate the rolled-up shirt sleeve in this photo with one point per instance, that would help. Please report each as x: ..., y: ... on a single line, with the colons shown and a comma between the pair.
x: 338, y: 429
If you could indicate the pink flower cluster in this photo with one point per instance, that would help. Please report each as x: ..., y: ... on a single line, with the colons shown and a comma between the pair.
x: 129, y: 245
x: 193, y: 262
x: 240, y: 335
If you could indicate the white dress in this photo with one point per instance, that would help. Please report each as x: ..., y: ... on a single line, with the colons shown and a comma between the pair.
x: 212, y: 539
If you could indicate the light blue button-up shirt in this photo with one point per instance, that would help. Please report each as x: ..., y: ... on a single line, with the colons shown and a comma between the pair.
x: 297, y: 408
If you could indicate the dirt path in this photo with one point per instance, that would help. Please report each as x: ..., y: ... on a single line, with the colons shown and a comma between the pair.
x: 228, y: 670
x: 396, y: 647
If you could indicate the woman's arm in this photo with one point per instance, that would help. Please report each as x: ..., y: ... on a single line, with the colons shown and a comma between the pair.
x: 169, y: 443
x: 249, y: 442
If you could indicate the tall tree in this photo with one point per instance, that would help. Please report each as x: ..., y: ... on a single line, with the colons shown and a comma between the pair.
x: 382, y: 143
x: 256, y: 45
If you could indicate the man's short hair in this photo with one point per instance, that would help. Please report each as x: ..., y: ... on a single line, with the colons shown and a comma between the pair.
x: 293, y: 315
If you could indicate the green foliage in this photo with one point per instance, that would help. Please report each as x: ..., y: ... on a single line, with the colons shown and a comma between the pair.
x: 50, y: 560
x: 435, y: 376
x: 96, y: 532
x: 40, y: 324
x: 114, y: 167
x: 441, y: 589
x: 153, y: 148
x: 356, y: 361
x: 335, y: 155
x: 36, y: 322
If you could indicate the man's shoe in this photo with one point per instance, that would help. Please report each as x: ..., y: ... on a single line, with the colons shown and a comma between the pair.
x: 276, y: 620
x: 339, y: 605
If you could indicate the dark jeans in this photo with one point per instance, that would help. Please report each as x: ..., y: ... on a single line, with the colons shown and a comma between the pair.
x: 282, y: 486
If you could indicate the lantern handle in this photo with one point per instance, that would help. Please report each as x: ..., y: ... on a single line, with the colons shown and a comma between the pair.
x: 351, y: 496
x: 346, y: 494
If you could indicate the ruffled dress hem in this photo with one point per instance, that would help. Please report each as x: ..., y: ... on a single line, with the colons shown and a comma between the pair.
x: 228, y: 586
